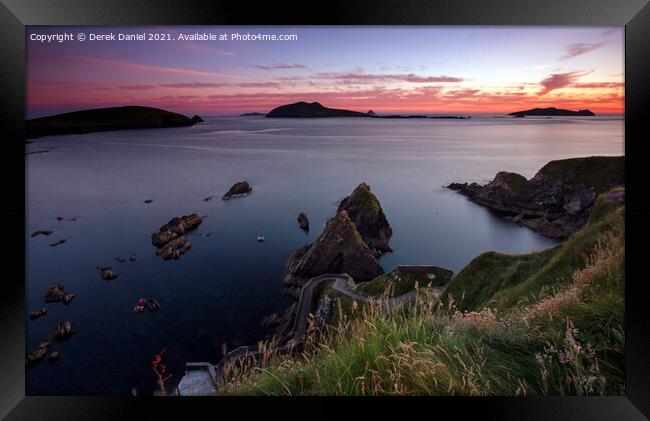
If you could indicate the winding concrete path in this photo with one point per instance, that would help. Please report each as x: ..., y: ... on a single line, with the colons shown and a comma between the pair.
x: 203, y: 378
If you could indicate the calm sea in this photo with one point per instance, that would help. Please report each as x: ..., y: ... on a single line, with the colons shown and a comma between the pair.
x: 217, y: 293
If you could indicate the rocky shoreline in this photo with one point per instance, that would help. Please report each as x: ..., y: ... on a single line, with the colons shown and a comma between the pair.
x: 557, y: 201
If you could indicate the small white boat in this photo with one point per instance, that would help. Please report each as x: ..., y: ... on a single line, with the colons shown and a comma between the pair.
x: 260, y: 237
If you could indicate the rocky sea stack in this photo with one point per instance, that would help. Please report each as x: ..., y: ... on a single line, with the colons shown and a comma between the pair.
x: 240, y: 188
x: 339, y: 249
x: 364, y: 210
x: 557, y: 201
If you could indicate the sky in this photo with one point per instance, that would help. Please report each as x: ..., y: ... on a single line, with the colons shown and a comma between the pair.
x: 433, y: 70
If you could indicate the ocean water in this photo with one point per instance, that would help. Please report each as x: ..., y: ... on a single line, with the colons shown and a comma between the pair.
x: 216, y: 294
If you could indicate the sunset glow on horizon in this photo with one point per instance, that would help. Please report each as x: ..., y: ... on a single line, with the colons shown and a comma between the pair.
x: 434, y: 70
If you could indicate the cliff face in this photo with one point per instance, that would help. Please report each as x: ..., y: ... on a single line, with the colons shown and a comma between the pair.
x: 339, y: 249
x: 557, y: 201
x: 364, y: 210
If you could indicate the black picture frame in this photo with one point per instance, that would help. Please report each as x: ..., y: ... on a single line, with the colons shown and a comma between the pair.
x: 16, y: 14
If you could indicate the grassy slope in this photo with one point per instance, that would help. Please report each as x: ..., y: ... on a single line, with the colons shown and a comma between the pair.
x: 555, y: 329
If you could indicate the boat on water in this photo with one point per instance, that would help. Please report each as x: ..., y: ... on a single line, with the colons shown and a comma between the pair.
x: 260, y: 236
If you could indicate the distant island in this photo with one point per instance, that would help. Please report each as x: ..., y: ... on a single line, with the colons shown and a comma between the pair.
x: 106, y: 119
x: 252, y: 115
x: 552, y: 111
x: 304, y: 109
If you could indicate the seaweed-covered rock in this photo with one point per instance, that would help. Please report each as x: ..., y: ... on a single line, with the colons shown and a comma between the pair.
x: 557, y: 201
x: 339, y: 249
x: 240, y: 188
x: 365, y: 211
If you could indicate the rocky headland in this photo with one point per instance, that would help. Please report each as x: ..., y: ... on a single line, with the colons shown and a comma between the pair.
x: 557, y: 201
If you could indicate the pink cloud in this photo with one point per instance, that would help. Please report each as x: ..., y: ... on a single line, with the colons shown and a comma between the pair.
x: 559, y: 80
x: 580, y: 48
x: 360, y: 77
x: 280, y: 66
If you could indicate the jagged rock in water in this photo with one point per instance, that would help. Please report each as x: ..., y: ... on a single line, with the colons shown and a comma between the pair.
x: 107, y: 274
x: 557, y: 201
x: 240, y: 188
x: 365, y: 212
x: 339, y: 249
x: 174, y: 248
x: 170, y: 239
x: 37, y: 314
x: 56, y: 294
x: 303, y: 222
x: 63, y: 331
x: 35, y: 357
x: 196, y: 119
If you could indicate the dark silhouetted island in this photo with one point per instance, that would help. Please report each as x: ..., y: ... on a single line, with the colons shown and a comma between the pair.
x: 252, y: 115
x: 105, y: 119
x: 311, y: 109
x: 552, y: 111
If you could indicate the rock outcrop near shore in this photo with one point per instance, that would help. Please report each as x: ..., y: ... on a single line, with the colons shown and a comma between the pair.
x: 170, y: 239
x: 303, y: 221
x: 106, y: 119
x: 557, y: 201
x: 339, y: 249
x: 240, y: 188
x: 365, y: 211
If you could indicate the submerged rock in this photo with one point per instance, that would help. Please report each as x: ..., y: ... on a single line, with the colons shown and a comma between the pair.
x: 41, y: 232
x: 133, y: 257
x: 240, y: 188
x: 59, y: 242
x: 339, y: 249
x: 365, y: 211
x: 147, y: 201
x: 37, y: 314
x: 557, y: 201
x: 53, y: 357
x: 120, y: 259
x: 303, y: 222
